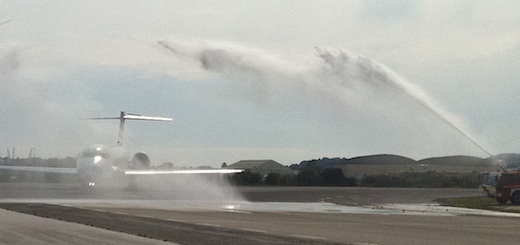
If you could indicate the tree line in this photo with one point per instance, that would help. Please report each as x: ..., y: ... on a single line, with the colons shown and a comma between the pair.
x: 335, y: 177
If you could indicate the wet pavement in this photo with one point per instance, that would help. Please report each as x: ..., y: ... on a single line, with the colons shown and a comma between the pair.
x: 267, y: 215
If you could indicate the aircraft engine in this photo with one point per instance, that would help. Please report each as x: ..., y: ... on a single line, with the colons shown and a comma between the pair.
x: 140, y: 161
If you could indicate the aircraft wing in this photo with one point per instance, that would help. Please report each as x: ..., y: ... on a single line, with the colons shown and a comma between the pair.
x: 130, y: 116
x: 183, y: 171
x: 146, y: 118
x: 41, y: 169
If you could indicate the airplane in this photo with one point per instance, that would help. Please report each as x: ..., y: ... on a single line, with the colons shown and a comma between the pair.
x: 103, y: 165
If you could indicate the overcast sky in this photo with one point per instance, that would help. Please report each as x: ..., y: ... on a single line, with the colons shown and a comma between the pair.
x: 281, y: 80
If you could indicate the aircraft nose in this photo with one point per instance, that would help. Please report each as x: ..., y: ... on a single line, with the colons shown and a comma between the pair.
x: 90, y: 168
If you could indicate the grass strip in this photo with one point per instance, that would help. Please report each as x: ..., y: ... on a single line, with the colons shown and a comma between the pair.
x: 480, y: 202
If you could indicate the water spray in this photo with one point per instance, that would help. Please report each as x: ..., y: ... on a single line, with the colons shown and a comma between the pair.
x: 449, y: 123
x: 339, y: 71
x: 342, y: 61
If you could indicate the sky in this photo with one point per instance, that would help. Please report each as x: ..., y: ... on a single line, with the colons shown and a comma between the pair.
x: 282, y: 80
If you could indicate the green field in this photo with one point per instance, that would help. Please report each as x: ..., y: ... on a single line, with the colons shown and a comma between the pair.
x: 480, y: 202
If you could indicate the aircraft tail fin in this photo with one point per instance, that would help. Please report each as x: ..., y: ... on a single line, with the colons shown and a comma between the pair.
x: 129, y: 116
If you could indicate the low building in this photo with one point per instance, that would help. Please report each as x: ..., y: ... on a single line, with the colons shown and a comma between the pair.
x: 262, y: 167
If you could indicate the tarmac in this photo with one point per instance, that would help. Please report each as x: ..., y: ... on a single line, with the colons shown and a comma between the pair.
x: 266, y: 215
x: 19, y: 228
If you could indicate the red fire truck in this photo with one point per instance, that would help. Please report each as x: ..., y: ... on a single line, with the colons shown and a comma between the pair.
x: 508, y: 187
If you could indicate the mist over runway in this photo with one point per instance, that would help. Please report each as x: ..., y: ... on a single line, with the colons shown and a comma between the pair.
x: 337, y: 195
x: 348, y: 200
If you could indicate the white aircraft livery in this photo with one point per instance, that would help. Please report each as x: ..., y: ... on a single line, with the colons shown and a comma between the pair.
x: 106, y: 165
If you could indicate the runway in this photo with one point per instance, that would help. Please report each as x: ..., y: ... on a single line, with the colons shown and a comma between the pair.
x: 17, y: 228
x: 270, y: 216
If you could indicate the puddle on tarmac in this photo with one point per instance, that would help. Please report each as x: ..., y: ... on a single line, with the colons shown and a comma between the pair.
x: 283, y: 207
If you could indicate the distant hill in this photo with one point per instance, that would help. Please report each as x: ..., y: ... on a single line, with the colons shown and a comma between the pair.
x: 381, y: 159
x: 388, y: 163
x: 454, y: 160
x: 370, y: 159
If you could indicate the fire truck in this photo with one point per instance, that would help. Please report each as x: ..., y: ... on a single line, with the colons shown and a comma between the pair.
x: 508, y: 187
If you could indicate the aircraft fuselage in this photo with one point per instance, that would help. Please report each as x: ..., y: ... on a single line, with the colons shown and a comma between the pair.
x: 102, y: 164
